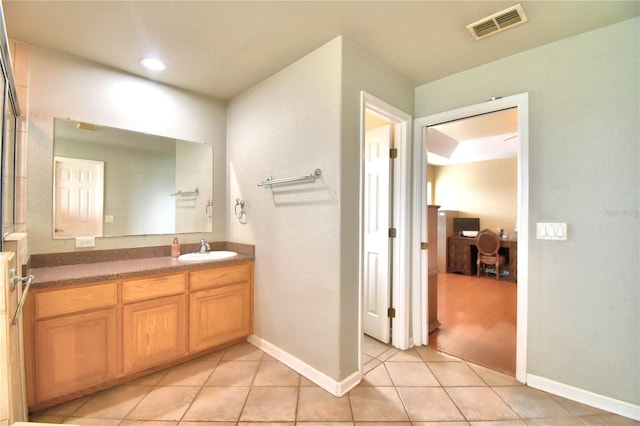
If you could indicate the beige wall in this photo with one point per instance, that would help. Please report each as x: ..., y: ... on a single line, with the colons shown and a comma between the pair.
x: 66, y: 86
x: 288, y: 125
x: 307, y: 116
x: 583, y: 293
x: 361, y: 72
x: 484, y: 189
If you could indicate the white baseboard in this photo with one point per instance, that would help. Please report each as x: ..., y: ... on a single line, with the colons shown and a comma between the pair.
x: 602, y: 402
x: 325, y: 382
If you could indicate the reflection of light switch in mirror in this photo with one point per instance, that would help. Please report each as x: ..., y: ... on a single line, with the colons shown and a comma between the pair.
x: 109, y: 218
x: 83, y: 242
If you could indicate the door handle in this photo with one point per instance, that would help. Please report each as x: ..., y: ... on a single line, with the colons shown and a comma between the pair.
x: 25, y: 289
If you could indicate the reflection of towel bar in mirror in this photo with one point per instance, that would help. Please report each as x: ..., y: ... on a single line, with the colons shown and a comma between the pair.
x: 271, y: 181
x: 182, y: 193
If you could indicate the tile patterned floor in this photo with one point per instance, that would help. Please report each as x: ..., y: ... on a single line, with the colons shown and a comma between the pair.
x: 244, y: 386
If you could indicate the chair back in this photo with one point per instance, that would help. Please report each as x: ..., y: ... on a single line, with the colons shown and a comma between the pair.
x: 488, y: 242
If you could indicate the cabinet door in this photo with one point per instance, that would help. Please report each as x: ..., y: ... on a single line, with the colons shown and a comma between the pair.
x: 154, y: 332
x: 219, y: 315
x: 74, y: 352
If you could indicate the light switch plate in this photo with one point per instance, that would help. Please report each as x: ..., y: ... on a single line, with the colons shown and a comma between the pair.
x: 84, y: 242
x: 551, y: 231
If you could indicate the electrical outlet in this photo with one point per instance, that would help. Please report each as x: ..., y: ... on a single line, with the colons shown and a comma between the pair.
x: 85, y: 242
x: 109, y: 218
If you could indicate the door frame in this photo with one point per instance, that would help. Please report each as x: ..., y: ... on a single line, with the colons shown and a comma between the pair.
x: 402, y: 123
x: 419, y: 268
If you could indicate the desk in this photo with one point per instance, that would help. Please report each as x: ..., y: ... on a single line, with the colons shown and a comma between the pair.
x: 462, y: 256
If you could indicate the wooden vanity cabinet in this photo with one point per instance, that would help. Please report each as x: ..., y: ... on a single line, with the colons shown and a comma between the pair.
x: 83, y: 338
x: 74, y: 340
x: 220, y: 305
x: 154, y: 321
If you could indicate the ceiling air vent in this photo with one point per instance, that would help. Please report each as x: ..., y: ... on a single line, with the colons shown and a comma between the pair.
x: 497, y: 22
x: 88, y: 126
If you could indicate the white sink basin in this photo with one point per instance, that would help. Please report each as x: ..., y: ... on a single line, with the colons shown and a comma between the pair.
x: 206, y: 256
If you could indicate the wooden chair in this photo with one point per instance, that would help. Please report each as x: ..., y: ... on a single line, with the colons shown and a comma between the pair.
x: 488, y: 243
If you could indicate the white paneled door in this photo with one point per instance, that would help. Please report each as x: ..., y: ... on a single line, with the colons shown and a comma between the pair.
x: 78, y: 197
x: 376, y: 297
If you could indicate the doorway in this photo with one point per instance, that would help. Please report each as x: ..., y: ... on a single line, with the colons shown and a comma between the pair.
x: 421, y: 177
x: 473, y: 175
x: 385, y: 223
x: 378, y: 219
x: 78, y: 197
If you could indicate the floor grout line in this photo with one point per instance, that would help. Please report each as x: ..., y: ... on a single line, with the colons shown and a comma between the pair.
x: 455, y: 394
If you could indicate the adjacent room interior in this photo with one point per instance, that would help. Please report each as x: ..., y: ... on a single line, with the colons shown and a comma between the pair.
x: 473, y: 180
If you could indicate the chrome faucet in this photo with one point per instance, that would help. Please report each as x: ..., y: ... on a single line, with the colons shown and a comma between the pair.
x: 204, y: 245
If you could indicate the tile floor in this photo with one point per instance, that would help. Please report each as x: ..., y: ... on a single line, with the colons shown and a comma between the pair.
x: 242, y: 385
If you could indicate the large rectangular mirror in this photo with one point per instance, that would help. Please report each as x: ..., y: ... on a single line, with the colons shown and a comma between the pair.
x: 113, y: 182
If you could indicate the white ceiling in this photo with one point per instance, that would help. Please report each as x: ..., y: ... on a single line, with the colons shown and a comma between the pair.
x: 479, y: 138
x: 221, y: 48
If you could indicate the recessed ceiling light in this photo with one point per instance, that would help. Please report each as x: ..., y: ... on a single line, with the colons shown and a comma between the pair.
x: 153, y: 64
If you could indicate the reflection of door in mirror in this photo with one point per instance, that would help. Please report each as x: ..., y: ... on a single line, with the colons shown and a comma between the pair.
x: 78, y: 197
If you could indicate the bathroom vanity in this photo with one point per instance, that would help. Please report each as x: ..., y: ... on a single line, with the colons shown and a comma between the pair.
x: 128, y: 318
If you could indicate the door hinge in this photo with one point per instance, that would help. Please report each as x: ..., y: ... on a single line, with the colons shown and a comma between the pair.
x: 391, y: 312
x: 393, y: 152
x: 424, y: 246
x: 392, y: 232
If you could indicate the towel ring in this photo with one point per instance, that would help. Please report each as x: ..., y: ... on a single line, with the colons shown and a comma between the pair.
x: 239, y: 211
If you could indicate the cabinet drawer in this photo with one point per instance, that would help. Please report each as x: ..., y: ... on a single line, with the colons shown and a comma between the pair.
x: 66, y: 301
x: 149, y: 288
x: 216, y: 277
